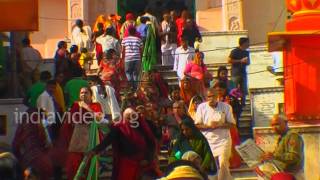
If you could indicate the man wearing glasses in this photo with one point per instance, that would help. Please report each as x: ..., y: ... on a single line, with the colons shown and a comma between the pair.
x: 214, y: 119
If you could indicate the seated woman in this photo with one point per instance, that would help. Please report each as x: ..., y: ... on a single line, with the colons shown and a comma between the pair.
x: 78, y: 134
x: 191, y: 139
x: 197, y: 70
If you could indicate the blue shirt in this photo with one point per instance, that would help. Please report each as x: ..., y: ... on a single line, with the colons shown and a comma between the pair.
x: 142, y: 29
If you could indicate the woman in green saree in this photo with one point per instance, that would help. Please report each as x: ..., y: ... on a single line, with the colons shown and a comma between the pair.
x: 191, y: 139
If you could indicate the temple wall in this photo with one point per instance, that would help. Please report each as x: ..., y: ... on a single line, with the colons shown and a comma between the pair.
x: 53, y: 26
x: 217, y: 45
x: 261, y: 17
x: 258, y: 76
x: 219, y: 15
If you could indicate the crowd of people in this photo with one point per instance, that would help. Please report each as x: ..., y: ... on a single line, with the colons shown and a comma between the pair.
x: 129, y: 106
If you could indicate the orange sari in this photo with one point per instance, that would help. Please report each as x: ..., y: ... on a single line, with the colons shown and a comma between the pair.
x: 235, y: 159
x: 188, y: 89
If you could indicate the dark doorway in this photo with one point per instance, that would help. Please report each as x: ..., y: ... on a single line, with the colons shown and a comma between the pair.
x: 158, y: 6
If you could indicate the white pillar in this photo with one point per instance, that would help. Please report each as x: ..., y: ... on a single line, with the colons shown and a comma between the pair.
x: 224, y: 16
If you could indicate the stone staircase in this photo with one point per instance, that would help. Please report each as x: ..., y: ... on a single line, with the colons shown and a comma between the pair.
x: 245, y: 125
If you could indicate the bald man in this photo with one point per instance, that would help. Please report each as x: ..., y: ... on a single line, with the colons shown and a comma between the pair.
x: 288, y: 154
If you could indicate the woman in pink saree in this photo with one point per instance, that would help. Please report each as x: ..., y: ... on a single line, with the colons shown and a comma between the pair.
x: 197, y: 70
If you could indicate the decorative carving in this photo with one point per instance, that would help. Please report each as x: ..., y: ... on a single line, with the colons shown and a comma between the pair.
x: 234, y: 24
x: 101, y: 5
x: 75, y: 11
x: 302, y: 5
x: 233, y: 15
x: 311, y: 4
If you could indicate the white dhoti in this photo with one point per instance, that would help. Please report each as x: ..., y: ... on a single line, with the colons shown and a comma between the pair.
x: 222, y: 153
x: 168, y: 51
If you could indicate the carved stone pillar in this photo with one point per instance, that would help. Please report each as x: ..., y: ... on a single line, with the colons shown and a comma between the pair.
x: 232, y: 15
x: 77, y: 9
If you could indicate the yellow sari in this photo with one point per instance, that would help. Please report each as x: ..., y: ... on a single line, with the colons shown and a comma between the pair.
x: 192, y: 110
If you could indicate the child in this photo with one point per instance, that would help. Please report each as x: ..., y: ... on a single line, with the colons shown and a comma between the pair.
x: 85, y: 60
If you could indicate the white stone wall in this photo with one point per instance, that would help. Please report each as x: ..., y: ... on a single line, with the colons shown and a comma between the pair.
x: 217, y: 45
x: 258, y: 76
x: 265, y: 103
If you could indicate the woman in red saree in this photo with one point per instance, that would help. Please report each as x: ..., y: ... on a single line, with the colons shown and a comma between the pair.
x: 134, y: 148
x: 81, y: 113
x: 32, y: 146
x: 235, y: 159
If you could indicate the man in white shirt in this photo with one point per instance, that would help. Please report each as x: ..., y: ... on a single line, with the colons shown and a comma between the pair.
x: 214, y: 119
x: 183, y: 55
x: 81, y: 35
x: 48, y: 104
x: 107, y: 41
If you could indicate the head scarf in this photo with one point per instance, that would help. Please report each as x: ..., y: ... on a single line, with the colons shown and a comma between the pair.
x: 188, y: 122
x: 181, y: 172
x: 190, y: 156
x: 198, y: 58
x: 114, y: 17
x: 127, y: 129
x: 129, y: 17
x: 192, y: 107
x: 101, y: 19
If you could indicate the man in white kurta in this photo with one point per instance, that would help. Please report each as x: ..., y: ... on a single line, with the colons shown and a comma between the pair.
x: 81, y: 36
x: 183, y: 55
x: 214, y: 119
x: 107, y: 42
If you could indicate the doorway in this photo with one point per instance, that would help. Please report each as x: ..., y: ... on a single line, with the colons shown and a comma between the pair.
x: 158, y: 6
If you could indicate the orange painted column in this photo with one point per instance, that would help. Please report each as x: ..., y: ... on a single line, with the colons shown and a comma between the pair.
x: 300, y: 44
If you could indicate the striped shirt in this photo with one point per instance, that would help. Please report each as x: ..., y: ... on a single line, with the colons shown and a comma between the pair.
x: 132, y: 47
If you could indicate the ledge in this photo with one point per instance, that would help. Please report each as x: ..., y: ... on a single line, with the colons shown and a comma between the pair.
x: 11, y: 101
x: 223, y: 33
x: 299, y: 129
x: 267, y: 89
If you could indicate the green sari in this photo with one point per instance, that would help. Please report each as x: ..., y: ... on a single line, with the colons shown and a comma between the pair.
x: 93, y: 173
x: 149, y: 57
x: 198, y: 144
